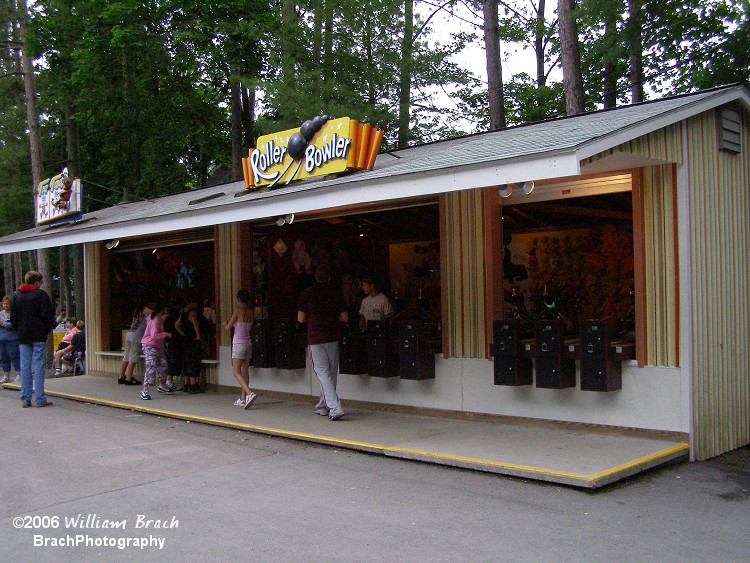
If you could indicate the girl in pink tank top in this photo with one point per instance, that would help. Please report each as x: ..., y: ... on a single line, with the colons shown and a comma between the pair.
x: 242, y: 346
x: 242, y: 332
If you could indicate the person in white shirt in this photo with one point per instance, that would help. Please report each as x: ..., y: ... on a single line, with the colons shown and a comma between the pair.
x: 375, y: 306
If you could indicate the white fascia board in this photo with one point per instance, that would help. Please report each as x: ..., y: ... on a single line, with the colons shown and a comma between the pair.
x: 538, y: 167
x: 430, y: 183
x: 609, y: 141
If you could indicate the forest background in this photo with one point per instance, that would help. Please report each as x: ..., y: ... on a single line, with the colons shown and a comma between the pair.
x: 142, y: 99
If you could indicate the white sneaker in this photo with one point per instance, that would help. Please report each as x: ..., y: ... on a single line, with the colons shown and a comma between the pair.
x: 240, y: 402
x: 5, y: 379
x: 249, y: 400
x: 17, y: 379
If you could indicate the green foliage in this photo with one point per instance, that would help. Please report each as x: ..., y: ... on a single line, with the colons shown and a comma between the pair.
x: 686, y: 44
x: 525, y: 102
x: 150, y: 114
x: 16, y: 198
x: 602, y: 48
x: 728, y: 61
x: 148, y: 83
x: 349, y: 66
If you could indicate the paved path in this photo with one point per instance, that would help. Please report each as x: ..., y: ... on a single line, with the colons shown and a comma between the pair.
x: 242, y: 496
x: 578, y: 455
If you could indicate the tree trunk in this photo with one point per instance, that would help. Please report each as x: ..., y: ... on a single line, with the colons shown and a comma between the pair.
x: 17, y: 268
x: 328, y: 63
x: 635, y: 48
x: 541, y: 75
x: 35, y: 144
x: 367, y: 37
x: 32, y: 114
x: 317, y: 32
x: 404, y: 97
x: 235, y: 105
x: 248, y: 116
x: 43, y: 267
x: 79, y: 281
x: 494, y: 68
x: 76, y: 250
x: 32, y: 260
x: 64, y: 281
x: 609, y: 82
x: 73, y: 143
x: 8, y: 273
x: 571, y: 58
x: 288, y: 29
x: 133, y: 136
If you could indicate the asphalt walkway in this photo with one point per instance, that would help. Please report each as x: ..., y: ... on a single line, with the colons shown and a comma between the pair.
x: 571, y: 454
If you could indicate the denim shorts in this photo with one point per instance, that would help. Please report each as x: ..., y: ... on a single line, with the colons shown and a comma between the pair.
x: 242, y: 350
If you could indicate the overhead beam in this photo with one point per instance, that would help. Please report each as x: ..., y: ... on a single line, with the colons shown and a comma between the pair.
x: 584, y: 211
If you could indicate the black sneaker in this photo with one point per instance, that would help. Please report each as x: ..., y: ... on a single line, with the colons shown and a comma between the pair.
x: 133, y: 381
x: 122, y: 381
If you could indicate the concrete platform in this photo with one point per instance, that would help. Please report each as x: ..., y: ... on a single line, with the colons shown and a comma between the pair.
x: 570, y: 454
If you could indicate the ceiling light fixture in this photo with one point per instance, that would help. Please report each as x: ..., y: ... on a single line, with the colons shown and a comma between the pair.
x: 507, y: 189
x: 285, y: 220
x: 114, y: 243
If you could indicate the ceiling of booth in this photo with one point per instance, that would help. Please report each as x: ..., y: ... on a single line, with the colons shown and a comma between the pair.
x: 418, y: 222
x: 590, y: 210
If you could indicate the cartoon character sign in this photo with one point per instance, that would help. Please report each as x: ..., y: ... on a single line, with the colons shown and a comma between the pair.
x: 57, y: 198
x: 62, y: 192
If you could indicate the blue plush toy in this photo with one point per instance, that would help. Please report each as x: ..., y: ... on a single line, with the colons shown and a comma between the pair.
x: 185, y: 276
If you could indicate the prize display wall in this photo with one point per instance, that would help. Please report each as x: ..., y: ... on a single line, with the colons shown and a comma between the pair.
x: 184, y: 272
x: 568, y: 285
x: 397, y: 248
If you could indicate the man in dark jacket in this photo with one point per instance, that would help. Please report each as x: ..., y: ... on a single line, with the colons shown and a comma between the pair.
x: 34, y: 318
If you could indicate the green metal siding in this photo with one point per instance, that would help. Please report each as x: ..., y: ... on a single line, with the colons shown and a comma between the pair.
x: 719, y: 185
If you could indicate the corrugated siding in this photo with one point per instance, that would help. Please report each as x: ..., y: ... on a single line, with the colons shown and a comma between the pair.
x: 661, y: 267
x: 111, y: 364
x: 92, y: 266
x: 228, y: 267
x: 664, y: 144
x: 660, y: 237
x: 464, y: 263
x: 719, y: 183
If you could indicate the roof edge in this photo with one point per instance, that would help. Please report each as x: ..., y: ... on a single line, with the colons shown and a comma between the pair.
x: 721, y: 96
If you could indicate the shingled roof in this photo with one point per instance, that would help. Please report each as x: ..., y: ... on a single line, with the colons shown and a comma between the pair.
x: 551, y: 148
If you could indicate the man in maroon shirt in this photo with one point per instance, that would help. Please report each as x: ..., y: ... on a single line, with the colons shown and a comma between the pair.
x: 322, y: 307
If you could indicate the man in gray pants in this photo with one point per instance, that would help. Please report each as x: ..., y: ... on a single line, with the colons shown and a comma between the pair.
x: 322, y: 307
